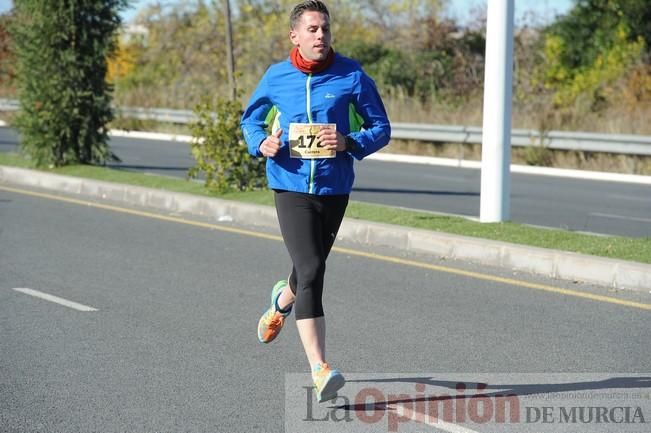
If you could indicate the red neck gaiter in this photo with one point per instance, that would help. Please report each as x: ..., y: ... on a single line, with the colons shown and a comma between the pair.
x: 311, y: 66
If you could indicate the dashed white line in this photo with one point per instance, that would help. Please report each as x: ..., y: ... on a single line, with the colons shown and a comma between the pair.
x: 55, y: 299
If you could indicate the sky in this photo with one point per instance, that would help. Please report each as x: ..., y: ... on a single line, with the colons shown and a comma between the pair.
x: 545, y: 10
x: 461, y: 10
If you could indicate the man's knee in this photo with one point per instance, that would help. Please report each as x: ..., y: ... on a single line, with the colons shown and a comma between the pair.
x: 310, y: 273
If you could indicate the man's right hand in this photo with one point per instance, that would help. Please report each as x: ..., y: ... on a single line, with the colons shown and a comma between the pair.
x: 269, y: 147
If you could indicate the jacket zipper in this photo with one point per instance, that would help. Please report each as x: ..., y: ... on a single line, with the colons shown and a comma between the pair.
x: 309, y: 119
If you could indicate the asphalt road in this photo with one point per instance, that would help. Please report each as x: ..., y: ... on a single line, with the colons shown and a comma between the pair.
x: 570, y: 204
x: 172, y: 346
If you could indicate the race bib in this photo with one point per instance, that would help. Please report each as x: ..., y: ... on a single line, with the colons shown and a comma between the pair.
x: 304, y: 144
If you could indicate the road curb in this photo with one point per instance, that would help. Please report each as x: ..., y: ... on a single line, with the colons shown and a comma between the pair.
x: 614, y: 273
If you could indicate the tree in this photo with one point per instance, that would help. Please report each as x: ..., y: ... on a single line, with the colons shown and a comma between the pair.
x: 7, y: 58
x: 595, y: 26
x: 591, y: 48
x: 180, y: 60
x: 62, y: 49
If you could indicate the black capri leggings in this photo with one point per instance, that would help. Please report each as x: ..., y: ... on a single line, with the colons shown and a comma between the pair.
x: 309, y: 225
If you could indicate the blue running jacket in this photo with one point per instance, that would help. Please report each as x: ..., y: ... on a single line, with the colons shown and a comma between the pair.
x: 342, y: 94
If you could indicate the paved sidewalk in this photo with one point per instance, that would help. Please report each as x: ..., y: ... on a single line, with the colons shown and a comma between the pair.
x: 618, y: 274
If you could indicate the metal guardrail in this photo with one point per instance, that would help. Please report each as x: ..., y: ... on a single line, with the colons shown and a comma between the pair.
x: 158, y: 114
x: 9, y: 105
x: 556, y: 140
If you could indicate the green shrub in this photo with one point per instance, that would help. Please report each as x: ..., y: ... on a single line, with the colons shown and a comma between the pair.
x: 219, y: 149
x: 538, y: 156
x: 61, y: 50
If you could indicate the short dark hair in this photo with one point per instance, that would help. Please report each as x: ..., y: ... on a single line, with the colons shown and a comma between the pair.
x: 305, y: 6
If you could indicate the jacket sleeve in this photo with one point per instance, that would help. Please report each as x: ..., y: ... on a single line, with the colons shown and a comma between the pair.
x: 377, y: 130
x: 254, y: 119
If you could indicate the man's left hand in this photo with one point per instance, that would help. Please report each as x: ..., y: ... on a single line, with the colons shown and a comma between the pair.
x: 331, y: 139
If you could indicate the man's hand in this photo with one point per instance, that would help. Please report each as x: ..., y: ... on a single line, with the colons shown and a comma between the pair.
x: 269, y: 147
x: 331, y: 139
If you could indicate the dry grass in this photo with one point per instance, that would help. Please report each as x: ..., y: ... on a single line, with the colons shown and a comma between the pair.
x: 610, y: 120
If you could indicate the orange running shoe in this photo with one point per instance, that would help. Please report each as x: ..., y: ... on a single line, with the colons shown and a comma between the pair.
x: 327, y: 382
x: 272, y: 320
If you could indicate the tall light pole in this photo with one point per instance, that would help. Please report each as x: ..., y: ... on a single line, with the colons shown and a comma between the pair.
x: 230, y: 62
x: 496, y: 140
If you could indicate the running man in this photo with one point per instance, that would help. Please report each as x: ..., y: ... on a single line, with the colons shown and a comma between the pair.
x: 323, y: 111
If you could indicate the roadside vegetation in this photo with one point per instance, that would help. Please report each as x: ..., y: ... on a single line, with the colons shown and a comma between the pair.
x: 589, y: 70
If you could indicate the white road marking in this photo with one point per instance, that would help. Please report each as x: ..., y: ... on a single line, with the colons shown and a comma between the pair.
x: 429, y: 420
x: 55, y: 299
x: 522, y: 169
x: 621, y: 217
x: 151, y: 135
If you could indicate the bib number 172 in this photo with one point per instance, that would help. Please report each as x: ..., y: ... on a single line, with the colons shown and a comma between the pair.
x: 303, y: 142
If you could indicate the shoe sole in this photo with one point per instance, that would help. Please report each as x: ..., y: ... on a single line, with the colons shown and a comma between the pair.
x: 331, y: 387
x: 260, y: 336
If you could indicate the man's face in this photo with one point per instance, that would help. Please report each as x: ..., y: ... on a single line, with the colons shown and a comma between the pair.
x: 312, y: 35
